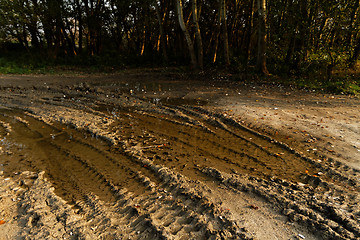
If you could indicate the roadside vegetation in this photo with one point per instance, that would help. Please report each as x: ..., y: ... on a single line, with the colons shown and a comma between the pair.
x: 312, y: 44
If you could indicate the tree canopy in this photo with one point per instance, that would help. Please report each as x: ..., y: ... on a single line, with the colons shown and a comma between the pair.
x: 294, y: 35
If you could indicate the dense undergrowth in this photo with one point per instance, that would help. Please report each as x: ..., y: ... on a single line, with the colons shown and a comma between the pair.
x: 343, y: 80
x: 30, y: 63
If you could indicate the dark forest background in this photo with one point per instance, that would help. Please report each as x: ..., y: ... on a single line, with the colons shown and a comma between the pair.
x: 305, y: 39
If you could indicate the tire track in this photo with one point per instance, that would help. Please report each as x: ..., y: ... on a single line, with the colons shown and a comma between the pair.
x: 305, y: 207
x: 87, y: 184
x: 224, y: 146
x: 233, y: 128
x: 149, y: 180
x: 63, y: 157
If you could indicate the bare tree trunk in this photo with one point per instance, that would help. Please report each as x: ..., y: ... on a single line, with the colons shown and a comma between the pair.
x: 250, y: 23
x: 68, y: 40
x: 186, y: 33
x: 352, y: 22
x: 79, y: 12
x: 34, y: 37
x: 142, y: 49
x: 24, y: 39
x: 198, y: 35
x: 217, y: 33
x: 224, y: 31
x: 301, y: 38
x: 355, y: 55
x: 162, y: 35
x: 290, y: 51
x: 261, y: 56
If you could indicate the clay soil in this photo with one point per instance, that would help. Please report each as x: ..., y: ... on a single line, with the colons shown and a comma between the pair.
x: 149, y: 154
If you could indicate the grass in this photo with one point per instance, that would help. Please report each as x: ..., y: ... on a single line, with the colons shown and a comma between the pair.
x: 37, y: 63
x: 23, y: 63
x: 343, y: 81
x: 16, y: 67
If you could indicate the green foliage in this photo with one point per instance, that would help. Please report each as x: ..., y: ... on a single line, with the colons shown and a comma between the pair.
x: 19, y: 63
x: 305, y: 40
x: 344, y: 81
x: 26, y: 62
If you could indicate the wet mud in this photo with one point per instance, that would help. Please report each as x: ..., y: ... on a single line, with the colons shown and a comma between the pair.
x: 76, y: 162
x: 130, y: 165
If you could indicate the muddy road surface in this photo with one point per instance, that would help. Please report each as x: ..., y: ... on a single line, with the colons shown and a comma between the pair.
x: 154, y: 155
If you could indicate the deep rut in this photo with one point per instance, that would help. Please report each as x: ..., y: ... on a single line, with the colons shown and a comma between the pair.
x: 138, y: 170
x: 76, y: 163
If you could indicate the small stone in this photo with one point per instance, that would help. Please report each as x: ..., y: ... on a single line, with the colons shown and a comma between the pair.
x: 301, y: 236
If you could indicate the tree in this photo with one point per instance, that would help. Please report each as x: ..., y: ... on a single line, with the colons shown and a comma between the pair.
x: 190, y: 45
x: 162, y: 41
x: 261, y: 52
x: 224, y: 31
x: 198, y: 35
x: 289, y: 36
x: 356, y: 54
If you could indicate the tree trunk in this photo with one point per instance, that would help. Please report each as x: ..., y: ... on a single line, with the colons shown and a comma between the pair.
x: 290, y: 52
x: 217, y: 33
x: 69, y: 39
x: 330, y: 66
x: 355, y: 55
x: 21, y: 37
x: 301, y: 41
x: 261, y: 56
x: 224, y: 32
x: 162, y: 35
x: 186, y: 33
x: 249, y: 30
x: 80, y: 19
x: 34, y: 36
x: 198, y: 35
x: 352, y: 21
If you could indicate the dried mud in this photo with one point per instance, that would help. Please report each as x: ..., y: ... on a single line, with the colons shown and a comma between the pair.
x: 125, y: 157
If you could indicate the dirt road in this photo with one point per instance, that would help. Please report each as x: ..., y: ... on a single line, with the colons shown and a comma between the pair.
x: 154, y: 155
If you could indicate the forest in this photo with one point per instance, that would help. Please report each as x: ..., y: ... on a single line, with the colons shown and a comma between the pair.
x: 279, y: 37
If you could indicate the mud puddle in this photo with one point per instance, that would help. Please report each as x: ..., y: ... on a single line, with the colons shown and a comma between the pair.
x: 75, y: 162
x: 186, y: 138
x: 180, y: 137
x: 186, y: 144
